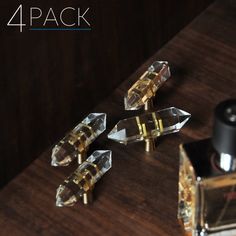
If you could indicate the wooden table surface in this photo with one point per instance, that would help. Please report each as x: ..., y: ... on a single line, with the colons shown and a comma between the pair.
x: 138, y: 196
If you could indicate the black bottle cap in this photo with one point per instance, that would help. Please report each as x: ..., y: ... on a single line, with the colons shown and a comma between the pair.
x: 224, y: 129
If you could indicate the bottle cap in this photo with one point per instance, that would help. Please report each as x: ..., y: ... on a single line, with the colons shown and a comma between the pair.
x: 224, y: 129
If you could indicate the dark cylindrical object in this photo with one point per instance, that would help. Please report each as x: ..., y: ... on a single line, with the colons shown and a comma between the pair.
x: 224, y: 129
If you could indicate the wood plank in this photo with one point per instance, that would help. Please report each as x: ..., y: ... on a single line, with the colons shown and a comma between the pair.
x: 46, y: 75
x: 139, y: 194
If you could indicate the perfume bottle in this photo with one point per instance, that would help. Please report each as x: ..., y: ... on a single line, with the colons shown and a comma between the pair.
x: 207, y: 178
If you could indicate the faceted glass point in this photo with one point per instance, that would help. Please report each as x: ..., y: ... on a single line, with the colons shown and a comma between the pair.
x: 183, y: 118
x: 83, y: 178
x: 65, y: 197
x: 97, y: 121
x: 149, y: 125
x: 61, y: 156
x: 147, y: 85
x: 78, y: 139
x: 102, y: 158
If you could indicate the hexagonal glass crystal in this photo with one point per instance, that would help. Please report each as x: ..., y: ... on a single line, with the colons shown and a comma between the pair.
x: 78, y: 140
x: 147, y: 85
x: 83, y: 178
x: 149, y: 125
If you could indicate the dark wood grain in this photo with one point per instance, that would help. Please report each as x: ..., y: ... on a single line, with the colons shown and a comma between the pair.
x: 46, y: 76
x: 139, y: 194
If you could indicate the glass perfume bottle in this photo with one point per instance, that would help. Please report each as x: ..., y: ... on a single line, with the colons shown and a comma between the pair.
x: 207, y: 178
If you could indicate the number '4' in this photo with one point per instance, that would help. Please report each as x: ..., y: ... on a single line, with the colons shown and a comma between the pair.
x: 20, y: 24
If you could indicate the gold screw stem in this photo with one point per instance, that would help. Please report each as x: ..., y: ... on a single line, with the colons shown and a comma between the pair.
x: 148, y: 105
x: 81, y: 157
x: 88, y: 197
x: 149, y: 144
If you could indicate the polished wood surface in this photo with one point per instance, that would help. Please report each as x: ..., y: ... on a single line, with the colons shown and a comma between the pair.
x: 46, y: 76
x: 138, y: 196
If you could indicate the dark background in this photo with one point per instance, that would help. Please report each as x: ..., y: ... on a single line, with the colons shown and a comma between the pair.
x: 50, y: 80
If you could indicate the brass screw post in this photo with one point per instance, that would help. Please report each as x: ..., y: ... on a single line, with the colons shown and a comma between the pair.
x: 148, y: 105
x: 81, y: 157
x: 88, y: 197
x: 149, y: 144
